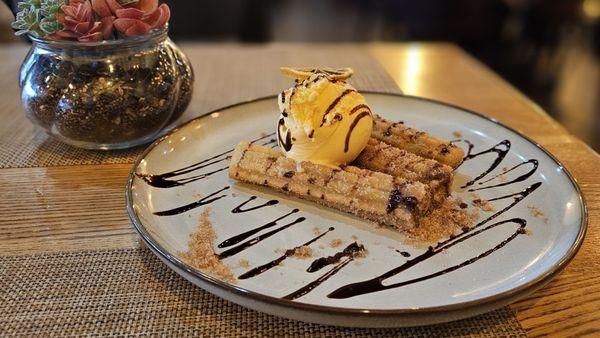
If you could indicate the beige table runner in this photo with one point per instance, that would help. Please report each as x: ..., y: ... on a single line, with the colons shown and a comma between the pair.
x: 129, y: 291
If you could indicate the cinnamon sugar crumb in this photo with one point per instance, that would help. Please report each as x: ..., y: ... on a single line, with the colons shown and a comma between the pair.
x: 354, y: 237
x: 536, y: 212
x: 335, y: 243
x: 481, y: 203
x: 303, y: 252
x: 316, y: 231
x: 457, y: 134
x: 361, y: 253
x: 321, y: 246
x: 443, y: 222
x: 243, y: 263
x: 201, y: 254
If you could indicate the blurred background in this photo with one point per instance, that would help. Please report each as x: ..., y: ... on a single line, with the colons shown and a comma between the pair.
x: 548, y: 49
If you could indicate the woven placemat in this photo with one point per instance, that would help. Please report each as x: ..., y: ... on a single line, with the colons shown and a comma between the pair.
x: 129, y: 291
x: 225, y: 74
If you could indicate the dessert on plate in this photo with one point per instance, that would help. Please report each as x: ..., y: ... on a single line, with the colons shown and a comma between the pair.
x: 335, y: 152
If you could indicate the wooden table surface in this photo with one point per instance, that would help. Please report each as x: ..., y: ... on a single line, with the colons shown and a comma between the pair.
x: 78, y: 207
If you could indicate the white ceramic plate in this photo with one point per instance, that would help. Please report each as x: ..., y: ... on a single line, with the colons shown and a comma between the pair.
x: 477, y: 272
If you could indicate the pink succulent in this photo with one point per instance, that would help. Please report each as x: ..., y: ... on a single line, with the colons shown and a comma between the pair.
x: 94, y: 20
x: 142, y: 17
x: 80, y: 24
x: 106, y: 8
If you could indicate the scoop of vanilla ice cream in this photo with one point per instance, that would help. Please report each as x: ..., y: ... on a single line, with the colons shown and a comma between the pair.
x: 323, y: 120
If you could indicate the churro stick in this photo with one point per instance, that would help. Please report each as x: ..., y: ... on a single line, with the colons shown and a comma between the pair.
x: 375, y: 196
x: 382, y: 157
x: 417, y: 142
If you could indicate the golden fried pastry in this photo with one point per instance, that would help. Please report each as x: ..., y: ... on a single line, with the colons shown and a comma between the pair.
x: 382, y: 157
x: 416, y: 142
x: 375, y: 196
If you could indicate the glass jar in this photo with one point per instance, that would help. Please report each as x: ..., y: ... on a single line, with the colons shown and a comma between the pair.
x: 112, y: 94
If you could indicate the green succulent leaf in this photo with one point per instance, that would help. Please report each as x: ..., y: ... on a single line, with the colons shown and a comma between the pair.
x: 27, y: 4
x: 28, y: 21
x: 38, y: 17
x: 50, y: 25
x: 51, y: 7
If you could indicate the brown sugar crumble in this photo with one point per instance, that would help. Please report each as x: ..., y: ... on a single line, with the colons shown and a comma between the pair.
x: 363, y: 253
x: 335, y: 243
x: 443, y: 222
x: 537, y: 213
x: 243, y: 263
x: 303, y: 252
x: 316, y: 231
x: 201, y: 254
x: 481, y: 203
x: 484, y: 205
x: 457, y: 134
x: 354, y: 237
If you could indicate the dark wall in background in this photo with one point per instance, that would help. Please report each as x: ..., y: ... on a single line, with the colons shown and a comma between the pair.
x: 534, y: 44
x: 546, y: 48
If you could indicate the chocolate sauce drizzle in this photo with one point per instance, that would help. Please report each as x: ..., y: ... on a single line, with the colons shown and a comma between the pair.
x: 403, y: 253
x: 501, y: 149
x: 359, y: 107
x: 535, y: 164
x: 238, y: 238
x: 164, y: 180
x: 351, y: 250
x: 469, y: 149
x: 335, y: 103
x: 245, y: 245
x: 288, y: 253
x: 287, y: 145
x: 312, y: 285
x: 376, y: 284
x: 204, y: 201
x: 396, y: 199
x: 352, y: 126
x: 239, y: 210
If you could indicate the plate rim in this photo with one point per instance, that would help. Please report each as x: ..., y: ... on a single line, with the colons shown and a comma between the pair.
x: 512, y: 294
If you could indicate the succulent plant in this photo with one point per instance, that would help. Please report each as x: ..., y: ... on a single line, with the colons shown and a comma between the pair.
x: 50, y: 25
x: 143, y: 17
x: 28, y: 22
x: 38, y: 17
x: 89, y: 20
x: 50, y: 8
x: 27, y: 4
